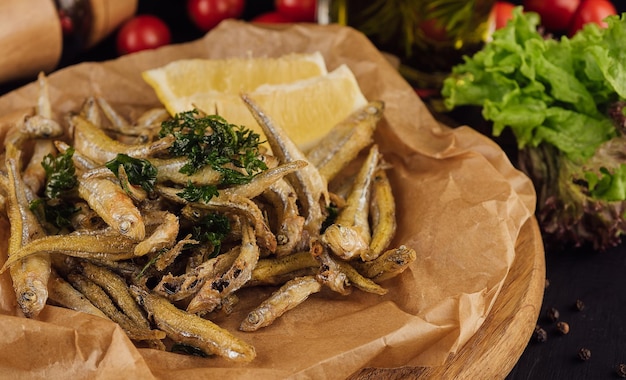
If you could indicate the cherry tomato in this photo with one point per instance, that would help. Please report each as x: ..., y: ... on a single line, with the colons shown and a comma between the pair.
x: 594, y: 11
x: 297, y: 10
x: 272, y: 18
x: 206, y: 14
x: 502, y: 12
x: 556, y: 15
x: 141, y: 33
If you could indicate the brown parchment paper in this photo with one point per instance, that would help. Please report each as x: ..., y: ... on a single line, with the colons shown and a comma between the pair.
x: 461, y: 205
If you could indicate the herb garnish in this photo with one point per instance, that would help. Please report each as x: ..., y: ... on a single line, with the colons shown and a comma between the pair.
x: 60, y: 181
x: 193, y: 193
x: 211, y: 140
x: 60, y: 173
x: 56, y: 212
x: 151, y: 262
x: 140, y: 171
x: 211, y: 229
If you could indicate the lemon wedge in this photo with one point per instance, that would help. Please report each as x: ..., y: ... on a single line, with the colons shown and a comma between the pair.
x: 306, y: 107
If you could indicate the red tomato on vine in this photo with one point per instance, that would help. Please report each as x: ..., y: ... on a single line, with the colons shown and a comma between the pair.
x: 272, y: 17
x: 206, y: 14
x: 556, y: 15
x: 591, y: 11
x: 297, y: 10
x: 502, y: 12
x: 141, y: 33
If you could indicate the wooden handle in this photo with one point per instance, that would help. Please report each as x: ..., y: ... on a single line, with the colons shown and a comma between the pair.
x: 30, y: 36
x: 107, y: 16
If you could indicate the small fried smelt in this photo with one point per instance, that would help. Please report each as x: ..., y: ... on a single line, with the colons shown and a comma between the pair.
x: 190, y: 329
x: 117, y: 122
x: 151, y: 117
x: 34, y: 175
x: 94, y: 143
x: 81, y: 162
x: 289, y: 222
x: 113, y: 205
x: 180, y: 287
x: 85, y: 218
x: 90, y: 111
x: 61, y: 293
x: 228, y: 203
x: 101, y: 300
x: 310, y: 186
x: 117, y: 289
x: 92, y: 246
x: 29, y: 275
x: 275, y: 266
x: 288, y: 296
x: 33, y: 127
x: 345, y: 241
x: 346, y: 139
x: 358, y: 281
x: 349, y: 236
x: 389, y: 264
x: 168, y: 170
x: 171, y: 253
x: 94, y: 293
x: 355, y: 213
x: 382, y: 215
x: 229, y: 302
x: 123, y: 267
x: 330, y: 273
x: 164, y: 236
x: 211, y: 294
x: 263, y: 180
x: 280, y: 279
x: 44, y: 108
x: 148, y: 124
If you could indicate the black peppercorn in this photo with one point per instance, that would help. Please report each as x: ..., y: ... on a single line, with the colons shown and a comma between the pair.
x: 584, y: 354
x: 621, y: 370
x: 562, y: 327
x: 553, y: 314
x: 540, y: 334
x: 579, y: 305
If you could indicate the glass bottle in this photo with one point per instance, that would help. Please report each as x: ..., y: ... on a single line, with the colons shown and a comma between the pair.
x: 86, y: 22
x: 75, y: 19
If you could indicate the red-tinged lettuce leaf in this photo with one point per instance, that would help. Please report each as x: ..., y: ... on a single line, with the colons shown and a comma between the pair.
x: 566, y: 210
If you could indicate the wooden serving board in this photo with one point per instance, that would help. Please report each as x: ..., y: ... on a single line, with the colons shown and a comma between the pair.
x: 495, y: 348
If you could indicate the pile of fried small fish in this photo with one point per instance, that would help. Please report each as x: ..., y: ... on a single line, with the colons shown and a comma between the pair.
x: 159, y: 257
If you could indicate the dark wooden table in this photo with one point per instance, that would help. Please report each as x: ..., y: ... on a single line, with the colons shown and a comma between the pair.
x: 598, y: 279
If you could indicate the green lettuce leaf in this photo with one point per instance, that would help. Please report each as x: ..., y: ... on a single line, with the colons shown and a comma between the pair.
x: 545, y: 90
